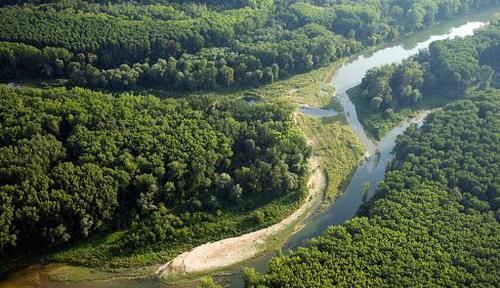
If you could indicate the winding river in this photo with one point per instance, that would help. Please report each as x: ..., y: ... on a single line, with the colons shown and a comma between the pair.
x: 371, y: 170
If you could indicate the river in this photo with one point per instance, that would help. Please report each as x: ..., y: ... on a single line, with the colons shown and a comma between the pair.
x: 371, y: 170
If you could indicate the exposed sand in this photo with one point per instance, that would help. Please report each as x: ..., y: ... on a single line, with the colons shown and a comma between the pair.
x: 227, y: 252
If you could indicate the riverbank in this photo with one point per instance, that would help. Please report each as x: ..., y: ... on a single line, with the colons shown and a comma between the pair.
x: 227, y: 252
x: 376, y: 125
x: 327, y: 134
x: 317, y: 130
x: 373, y: 169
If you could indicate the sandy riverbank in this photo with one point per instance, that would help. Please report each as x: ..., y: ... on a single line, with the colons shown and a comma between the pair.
x: 228, y: 252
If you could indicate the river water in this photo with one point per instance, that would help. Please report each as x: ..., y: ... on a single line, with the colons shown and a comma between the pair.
x: 371, y: 170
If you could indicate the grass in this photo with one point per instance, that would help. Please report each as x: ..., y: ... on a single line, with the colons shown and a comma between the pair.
x: 313, y: 88
x: 377, y: 125
x: 336, y: 146
x: 273, y: 243
x: 332, y: 139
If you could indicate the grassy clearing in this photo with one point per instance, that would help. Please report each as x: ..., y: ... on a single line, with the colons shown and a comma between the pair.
x: 332, y: 139
x: 313, y: 88
x: 336, y: 146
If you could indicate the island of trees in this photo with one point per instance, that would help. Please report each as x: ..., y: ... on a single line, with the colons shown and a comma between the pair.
x: 435, y: 76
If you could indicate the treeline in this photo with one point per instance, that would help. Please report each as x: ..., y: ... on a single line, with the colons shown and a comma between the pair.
x: 75, y: 162
x: 446, y: 70
x: 214, y: 44
x: 189, y: 72
x: 372, y: 22
x: 435, y: 220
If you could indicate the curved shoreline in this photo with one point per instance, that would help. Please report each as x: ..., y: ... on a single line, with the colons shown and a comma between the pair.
x: 227, y: 252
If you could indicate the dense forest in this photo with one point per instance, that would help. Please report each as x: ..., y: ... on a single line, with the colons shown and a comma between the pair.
x: 75, y: 162
x: 199, y: 45
x: 442, y: 73
x: 435, y: 220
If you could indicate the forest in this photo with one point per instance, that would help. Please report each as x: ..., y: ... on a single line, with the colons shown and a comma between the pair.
x: 434, y: 221
x: 76, y: 162
x: 438, y: 75
x: 199, y: 45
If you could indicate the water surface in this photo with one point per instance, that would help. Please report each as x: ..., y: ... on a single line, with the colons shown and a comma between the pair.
x: 317, y: 112
x: 373, y: 168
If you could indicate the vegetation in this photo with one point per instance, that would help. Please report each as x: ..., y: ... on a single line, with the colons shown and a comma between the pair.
x: 332, y: 141
x: 208, y: 282
x: 76, y: 162
x: 336, y: 147
x: 110, y: 179
x: 391, y: 93
x: 199, y: 45
x: 435, y: 220
x: 313, y: 88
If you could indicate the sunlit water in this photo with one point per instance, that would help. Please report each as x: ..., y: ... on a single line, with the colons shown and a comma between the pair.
x: 371, y: 170
x: 317, y: 112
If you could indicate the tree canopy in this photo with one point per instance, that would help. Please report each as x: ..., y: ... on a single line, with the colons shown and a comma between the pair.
x: 74, y: 162
x: 435, y: 219
x: 199, y: 45
x: 442, y: 73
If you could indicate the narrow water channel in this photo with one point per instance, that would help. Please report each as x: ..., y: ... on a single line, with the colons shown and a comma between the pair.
x: 371, y: 171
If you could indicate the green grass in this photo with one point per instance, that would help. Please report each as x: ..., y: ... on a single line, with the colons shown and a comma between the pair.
x: 332, y: 139
x: 313, y: 88
x: 377, y: 125
x: 337, y: 148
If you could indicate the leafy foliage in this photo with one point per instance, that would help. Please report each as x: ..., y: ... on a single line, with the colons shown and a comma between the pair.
x: 438, y: 75
x: 201, y: 45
